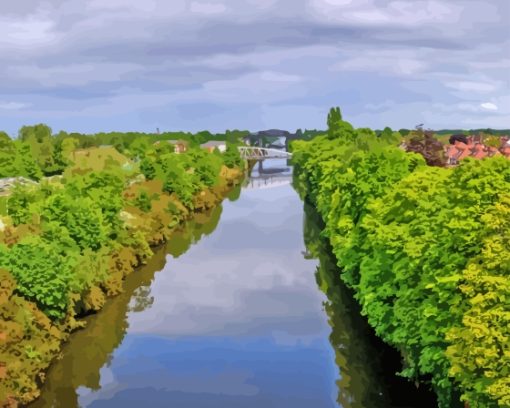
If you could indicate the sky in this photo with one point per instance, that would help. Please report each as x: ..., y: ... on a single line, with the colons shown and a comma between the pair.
x: 133, y: 65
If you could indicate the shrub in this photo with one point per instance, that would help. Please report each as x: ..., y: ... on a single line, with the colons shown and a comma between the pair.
x: 42, y: 273
x: 425, y: 250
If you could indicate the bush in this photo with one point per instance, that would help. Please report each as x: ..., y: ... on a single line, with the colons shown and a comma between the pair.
x: 231, y: 157
x: 180, y: 182
x: 143, y: 202
x: 148, y: 168
x: 425, y: 250
x: 42, y: 273
x: 82, y: 218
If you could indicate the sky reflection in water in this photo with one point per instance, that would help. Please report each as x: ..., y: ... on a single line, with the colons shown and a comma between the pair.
x: 235, y: 321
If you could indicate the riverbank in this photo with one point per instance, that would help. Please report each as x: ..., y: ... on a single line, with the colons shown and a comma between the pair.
x: 31, y: 339
x: 425, y: 251
x: 228, y: 313
x: 367, y: 366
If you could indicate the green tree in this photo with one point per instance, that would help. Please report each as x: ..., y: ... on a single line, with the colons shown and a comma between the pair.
x: 139, y: 147
x: 26, y: 163
x: 38, y: 137
x: 19, y: 204
x: 389, y: 136
x: 339, y: 129
x: 180, y: 182
x: 105, y: 189
x: 7, y: 156
x: 148, y: 168
x: 143, y: 201
x: 424, y: 249
x: 42, y: 273
x: 231, y: 157
x: 83, y: 219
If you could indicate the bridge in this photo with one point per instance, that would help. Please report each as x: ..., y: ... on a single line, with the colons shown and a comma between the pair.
x: 260, y: 182
x: 262, y: 153
x: 258, y: 137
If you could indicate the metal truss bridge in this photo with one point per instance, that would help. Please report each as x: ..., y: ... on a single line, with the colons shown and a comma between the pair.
x: 262, y: 153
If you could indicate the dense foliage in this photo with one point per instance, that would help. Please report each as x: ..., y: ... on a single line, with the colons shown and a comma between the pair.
x: 426, y: 251
x: 37, y: 152
x: 67, y: 242
x: 82, y: 215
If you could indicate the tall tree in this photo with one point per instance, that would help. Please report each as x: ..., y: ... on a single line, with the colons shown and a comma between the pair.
x: 338, y: 128
x: 7, y: 156
x: 38, y: 137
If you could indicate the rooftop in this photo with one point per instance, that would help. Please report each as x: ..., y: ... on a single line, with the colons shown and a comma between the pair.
x: 213, y: 143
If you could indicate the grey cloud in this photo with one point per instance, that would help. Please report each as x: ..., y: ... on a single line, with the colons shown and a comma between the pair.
x: 228, y: 53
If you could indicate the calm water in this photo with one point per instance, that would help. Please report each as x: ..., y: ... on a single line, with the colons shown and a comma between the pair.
x: 231, y: 314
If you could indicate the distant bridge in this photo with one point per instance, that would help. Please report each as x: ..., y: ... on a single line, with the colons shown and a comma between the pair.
x: 262, y: 153
x: 260, y: 182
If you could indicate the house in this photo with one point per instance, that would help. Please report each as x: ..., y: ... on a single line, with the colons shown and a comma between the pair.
x: 505, y: 150
x: 461, y: 147
x: 479, y: 151
x: 214, y: 144
x: 180, y: 146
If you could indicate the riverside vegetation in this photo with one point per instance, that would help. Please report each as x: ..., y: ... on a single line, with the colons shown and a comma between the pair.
x: 426, y: 251
x: 67, y: 242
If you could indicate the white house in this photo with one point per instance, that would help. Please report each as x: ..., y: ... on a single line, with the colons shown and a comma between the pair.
x: 214, y: 144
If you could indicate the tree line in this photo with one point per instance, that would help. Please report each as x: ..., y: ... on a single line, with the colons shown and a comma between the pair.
x: 66, y: 244
x: 426, y: 250
x: 37, y: 152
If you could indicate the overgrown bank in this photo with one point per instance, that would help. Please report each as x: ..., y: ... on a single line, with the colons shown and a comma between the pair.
x: 66, y: 245
x: 427, y: 252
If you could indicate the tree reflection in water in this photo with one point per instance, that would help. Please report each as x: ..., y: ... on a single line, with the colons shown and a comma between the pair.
x: 366, y: 366
x: 90, y: 350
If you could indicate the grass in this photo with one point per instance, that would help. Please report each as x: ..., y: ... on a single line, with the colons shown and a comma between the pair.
x: 3, y: 205
x: 97, y: 158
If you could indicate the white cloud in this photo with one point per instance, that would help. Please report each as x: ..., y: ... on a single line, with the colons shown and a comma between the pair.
x: 383, y: 106
x: 13, y: 105
x: 382, y: 64
x: 29, y: 32
x: 207, y: 8
x: 133, y: 5
x: 72, y: 74
x: 472, y: 86
x: 504, y: 63
x: 388, y: 13
x: 489, y: 106
x: 270, y: 76
x: 255, y: 60
x: 261, y: 87
x: 400, y: 62
x: 266, y: 58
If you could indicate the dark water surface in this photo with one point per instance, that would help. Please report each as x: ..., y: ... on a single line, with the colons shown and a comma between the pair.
x: 235, y: 311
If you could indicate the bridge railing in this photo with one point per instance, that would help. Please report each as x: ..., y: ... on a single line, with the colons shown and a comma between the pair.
x: 261, y: 153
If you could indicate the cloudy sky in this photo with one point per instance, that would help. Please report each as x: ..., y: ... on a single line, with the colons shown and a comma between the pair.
x: 101, y: 65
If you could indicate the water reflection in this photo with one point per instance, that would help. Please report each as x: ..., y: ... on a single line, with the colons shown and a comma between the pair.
x: 366, y: 366
x: 201, y: 225
x: 269, y: 174
x: 86, y: 358
x: 237, y: 321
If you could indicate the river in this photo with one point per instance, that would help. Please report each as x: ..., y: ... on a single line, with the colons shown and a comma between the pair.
x: 241, y: 308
